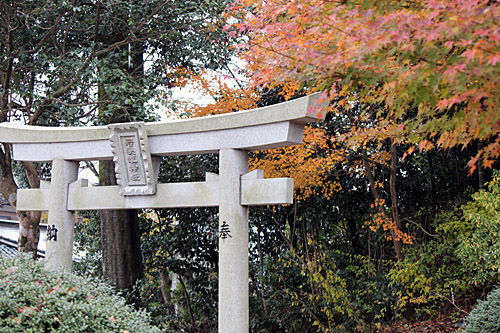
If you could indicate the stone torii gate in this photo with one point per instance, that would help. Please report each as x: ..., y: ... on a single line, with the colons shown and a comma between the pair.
x: 136, y: 149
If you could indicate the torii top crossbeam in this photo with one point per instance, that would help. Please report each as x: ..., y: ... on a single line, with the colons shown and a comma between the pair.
x: 263, y: 128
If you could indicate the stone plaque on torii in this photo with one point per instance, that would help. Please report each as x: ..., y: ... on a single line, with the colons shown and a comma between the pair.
x: 136, y: 149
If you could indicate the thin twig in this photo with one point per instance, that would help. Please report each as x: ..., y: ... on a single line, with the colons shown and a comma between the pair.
x: 421, y: 228
x: 57, y: 100
x: 452, y: 302
x: 92, y: 168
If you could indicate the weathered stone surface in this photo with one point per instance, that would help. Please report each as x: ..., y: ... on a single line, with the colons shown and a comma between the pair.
x: 258, y: 192
x: 296, y: 111
x: 269, y: 127
x: 250, y: 138
x: 254, y: 192
x: 133, y: 163
x: 59, y: 252
x: 233, y: 246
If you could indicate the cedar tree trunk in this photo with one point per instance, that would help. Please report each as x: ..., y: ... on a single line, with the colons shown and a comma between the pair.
x: 121, y: 252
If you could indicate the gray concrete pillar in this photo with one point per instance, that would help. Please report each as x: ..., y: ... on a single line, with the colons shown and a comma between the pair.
x: 59, y: 246
x: 233, y: 244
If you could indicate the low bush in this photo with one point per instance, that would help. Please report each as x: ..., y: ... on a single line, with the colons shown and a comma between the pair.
x: 486, y: 316
x: 35, y: 300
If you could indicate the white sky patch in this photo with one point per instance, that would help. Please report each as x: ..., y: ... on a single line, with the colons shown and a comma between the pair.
x: 192, y: 95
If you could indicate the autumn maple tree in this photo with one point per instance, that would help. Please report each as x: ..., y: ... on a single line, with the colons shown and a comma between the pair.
x: 431, y: 67
x: 422, y: 73
x: 226, y: 93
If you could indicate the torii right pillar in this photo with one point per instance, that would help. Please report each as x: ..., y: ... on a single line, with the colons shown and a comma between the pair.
x: 233, y: 243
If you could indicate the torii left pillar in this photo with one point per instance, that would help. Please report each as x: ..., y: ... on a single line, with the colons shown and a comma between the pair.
x: 233, y: 243
x: 60, y: 220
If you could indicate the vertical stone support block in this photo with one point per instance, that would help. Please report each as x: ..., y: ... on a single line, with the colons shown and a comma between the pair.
x: 233, y: 244
x: 59, y: 251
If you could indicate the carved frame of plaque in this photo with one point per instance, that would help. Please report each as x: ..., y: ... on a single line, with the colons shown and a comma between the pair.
x: 133, y: 164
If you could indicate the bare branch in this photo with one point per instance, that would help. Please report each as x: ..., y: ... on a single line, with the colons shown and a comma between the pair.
x: 421, y: 228
x: 153, y: 13
x: 57, y: 100
x: 365, y: 157
x: 452, y: 301
x: 48, y: 35
x: 92, y: 168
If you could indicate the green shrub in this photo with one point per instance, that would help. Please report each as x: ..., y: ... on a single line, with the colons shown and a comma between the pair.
x: 35, y: 300
x: 431, y: 271
x: 486, y: 316
x: 479, y: 250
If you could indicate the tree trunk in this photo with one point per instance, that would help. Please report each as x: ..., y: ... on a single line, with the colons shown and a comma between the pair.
x: 394, y: 203
x: 480, y: 168
x: 188, y: 301
x: 29, y: 229
x: 395, y: 238
x: 352, y: 231
x: 432, y: 185
x: 29, y: 232
x: 165, y: 287
x: 121, y: 253
x: 29, y: 222
x: 261, y: 262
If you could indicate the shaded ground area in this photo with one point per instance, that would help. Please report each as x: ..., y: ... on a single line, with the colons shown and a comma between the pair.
x: 439, y: 324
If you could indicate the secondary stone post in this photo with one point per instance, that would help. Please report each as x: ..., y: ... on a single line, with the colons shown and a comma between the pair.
x: 59, y: 248
x: 233, y: 243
